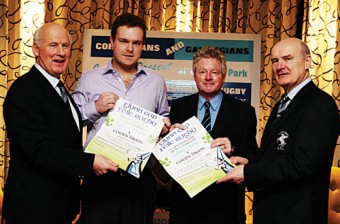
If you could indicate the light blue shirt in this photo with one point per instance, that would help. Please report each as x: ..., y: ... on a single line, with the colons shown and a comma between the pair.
x: 147, y: 90
x: 215, y: 107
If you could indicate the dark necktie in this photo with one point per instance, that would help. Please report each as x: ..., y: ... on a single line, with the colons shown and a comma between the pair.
x: 206, y: 122
x: 63, y: 93
x: 283, y: 105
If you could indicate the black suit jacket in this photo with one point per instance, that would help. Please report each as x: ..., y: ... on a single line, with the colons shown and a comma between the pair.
x: 222, y: 203
x: 291, y: 179
x: 46, y: 154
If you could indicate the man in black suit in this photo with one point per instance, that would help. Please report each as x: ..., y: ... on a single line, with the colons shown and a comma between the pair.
x: 233, y: 127
x: 47, y: 161
x: 291, y: 177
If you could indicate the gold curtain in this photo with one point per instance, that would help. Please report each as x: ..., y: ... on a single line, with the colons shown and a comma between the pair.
x: 316, y: 22
x: 321, y: 31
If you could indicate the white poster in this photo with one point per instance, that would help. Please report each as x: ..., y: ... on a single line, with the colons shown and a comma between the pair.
x: 187, y: 157
x: 127, y: 136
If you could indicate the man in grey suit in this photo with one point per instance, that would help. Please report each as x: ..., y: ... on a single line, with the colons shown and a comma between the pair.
x: 47, y: 161
x: 291, y: 177
x: 232, y: 125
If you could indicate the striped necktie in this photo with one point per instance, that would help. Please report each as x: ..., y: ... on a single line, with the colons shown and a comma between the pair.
x: 63, y: 94
x: 206, y: 122
x: 283, y: 105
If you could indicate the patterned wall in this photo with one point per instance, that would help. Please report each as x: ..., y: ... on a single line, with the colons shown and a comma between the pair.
x: 316, y: 22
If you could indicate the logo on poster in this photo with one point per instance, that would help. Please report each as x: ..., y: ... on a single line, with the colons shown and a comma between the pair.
x: 178, y: 46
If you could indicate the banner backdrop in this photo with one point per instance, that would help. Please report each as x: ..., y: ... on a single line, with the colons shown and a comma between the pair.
x: 170, y: 54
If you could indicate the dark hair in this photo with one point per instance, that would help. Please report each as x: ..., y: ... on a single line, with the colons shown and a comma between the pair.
x: 128, y: 20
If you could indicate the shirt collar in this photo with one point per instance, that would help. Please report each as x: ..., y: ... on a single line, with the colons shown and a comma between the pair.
x: 108, y: 69
x: 54, y: 81
x: 214, y: 102
x: 294, y: 91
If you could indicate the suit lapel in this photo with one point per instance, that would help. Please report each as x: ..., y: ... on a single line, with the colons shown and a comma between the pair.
x: 191, y: 110
x: 53, y: 96
x: 76, y: 108
x: 271, y: 132
x: 222, y: 114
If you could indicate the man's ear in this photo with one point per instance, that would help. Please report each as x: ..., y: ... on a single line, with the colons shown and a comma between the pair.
x: 35, y: 50
x: 308, y: 61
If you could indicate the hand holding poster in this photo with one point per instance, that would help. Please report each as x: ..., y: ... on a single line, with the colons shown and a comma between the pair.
x: 128, y: 136
x: 187, y: 157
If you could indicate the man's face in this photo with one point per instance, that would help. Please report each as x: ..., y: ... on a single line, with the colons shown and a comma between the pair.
x: 53, y: 52
x: 289, y: 64
x: 127, y: 47
x: 208, y: 77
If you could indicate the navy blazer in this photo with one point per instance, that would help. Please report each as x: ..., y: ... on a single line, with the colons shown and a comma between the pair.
x: 46, y: 154
x: 219, y: 203
x: 291, y: 179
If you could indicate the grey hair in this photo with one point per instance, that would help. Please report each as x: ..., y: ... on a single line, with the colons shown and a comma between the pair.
x: 210, y: 52
x: 36, y: 37
x: 305, y: 49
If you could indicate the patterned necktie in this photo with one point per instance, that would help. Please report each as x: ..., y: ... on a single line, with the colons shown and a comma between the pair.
x: 206, y: 122
x: 63, y: 93
x: 283, y: 105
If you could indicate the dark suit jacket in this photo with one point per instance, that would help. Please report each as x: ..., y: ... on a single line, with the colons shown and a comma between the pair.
x: 46, y: 154
x: 291, y: 179
x: 222, y: 203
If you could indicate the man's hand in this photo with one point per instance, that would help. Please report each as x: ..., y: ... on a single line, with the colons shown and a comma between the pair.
x: 102, y: 165
x: 166, y: 127
x: 177, y: 125
x: 106, y: 101
x: 235, y: 175
x: 237, y: 160
x: 224, y: 144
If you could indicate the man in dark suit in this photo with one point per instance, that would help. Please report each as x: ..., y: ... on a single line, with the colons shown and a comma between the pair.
x: 44, y: 132
x: 291, y: 177
x: 233, y: 127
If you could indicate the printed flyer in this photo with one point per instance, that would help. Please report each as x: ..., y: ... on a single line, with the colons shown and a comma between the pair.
x: 187, y: 157
x: 127, y: 136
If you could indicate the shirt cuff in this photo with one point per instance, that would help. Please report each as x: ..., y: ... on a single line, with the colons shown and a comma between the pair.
x: 91, y: 112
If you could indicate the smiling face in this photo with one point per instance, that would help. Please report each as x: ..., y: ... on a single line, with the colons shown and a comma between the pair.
x: 291, y: 62
x: 209, y: 77
x: 127, y: 48
x: 52, y: 49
